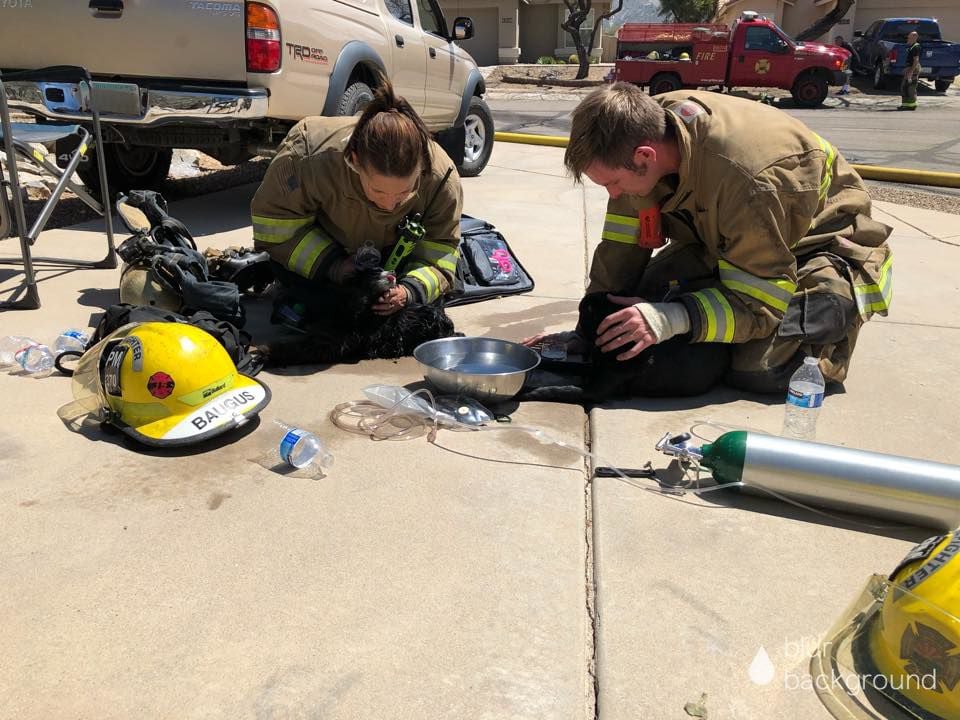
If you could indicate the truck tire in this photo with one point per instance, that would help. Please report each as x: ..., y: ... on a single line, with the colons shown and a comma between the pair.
x: 881, y: 81
x: 809, y: 90
x: 478, y: 143
x: 128, y: 168
x: 664, y: 82
x: 943, y: 85
x: 354, y: 99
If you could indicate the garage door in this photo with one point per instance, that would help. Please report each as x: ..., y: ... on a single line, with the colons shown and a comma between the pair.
x: 486, y: 30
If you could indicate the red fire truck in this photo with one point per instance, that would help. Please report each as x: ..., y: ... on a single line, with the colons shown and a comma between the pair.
x: 752, y: 53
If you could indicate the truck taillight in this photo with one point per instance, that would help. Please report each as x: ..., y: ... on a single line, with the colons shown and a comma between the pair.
x: 263, y: 38
x: 892, y: 55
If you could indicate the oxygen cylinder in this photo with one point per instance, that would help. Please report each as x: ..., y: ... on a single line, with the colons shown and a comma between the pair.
x: 918, y: 492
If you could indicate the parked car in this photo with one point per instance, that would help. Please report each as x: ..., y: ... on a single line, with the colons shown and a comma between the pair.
x: 755, y: 52
x: 883, y: 51
x: 231, y: 78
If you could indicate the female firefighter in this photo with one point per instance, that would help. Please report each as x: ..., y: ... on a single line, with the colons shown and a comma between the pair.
x: 378, y: 185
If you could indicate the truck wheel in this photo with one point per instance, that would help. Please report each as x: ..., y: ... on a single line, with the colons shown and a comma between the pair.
x: 809, y: 91
x: 479, y: 138
x: 943, y: 85
x: 880, y: 78
x: 128, y: 168
x: 663, y: 83
x: 354, y: 99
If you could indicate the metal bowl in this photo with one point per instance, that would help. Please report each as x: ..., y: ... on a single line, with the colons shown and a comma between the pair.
x: 482, y: 368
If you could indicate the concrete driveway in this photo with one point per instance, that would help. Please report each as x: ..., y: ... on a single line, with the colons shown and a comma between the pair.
x: 483, y: 576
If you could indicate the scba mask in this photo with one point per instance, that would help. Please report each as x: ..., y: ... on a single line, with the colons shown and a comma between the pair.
x: 164, y: 384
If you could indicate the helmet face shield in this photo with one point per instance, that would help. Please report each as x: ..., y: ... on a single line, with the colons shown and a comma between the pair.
x: 165, y: 384
x: 85, y: 385
x: 895, y: 653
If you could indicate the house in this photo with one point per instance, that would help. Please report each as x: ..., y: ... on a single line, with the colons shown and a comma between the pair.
x: 512, y: 31
x: 796, y: 15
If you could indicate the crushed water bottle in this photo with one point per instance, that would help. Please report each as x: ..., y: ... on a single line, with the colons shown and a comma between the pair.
x: 301, y: 448
x: 804, y: 398
x: 72, y: 339
x: 21, y: 353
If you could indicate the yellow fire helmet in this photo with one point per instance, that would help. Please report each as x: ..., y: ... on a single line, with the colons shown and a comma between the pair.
x: 896, y: 651
x: 164, y: 384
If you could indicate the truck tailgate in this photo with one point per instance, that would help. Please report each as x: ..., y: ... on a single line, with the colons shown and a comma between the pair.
x: 938, y: 55
x: 193, y: 39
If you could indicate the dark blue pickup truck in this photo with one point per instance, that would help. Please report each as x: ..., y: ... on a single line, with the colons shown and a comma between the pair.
x: 882, y: 50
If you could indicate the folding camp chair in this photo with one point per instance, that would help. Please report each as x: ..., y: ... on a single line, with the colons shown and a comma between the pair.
x: 21, y: 139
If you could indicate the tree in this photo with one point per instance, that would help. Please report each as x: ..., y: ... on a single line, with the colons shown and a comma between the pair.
x: 577, y: 13
x: 689, y: 11
x: 823, y: 25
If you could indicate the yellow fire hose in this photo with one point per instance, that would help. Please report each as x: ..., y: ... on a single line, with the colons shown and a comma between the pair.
x: 867, y: 172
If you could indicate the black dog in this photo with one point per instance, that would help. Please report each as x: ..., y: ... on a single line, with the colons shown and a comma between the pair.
x: 342, y: 326
x: 676, y: 368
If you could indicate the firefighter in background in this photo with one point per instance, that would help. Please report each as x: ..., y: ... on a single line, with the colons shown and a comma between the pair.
x: 911, y: 74
x: 341, y: 184
x: 773, y: 254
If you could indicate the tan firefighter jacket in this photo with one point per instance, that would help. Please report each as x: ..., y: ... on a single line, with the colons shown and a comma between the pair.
x: 311, y: 210
x: 756, y: 189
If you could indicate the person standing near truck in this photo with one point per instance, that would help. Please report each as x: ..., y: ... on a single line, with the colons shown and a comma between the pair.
x: 911, y: 74
x: 339, y: 185
x: 772, y: 251
x: 854, y: 61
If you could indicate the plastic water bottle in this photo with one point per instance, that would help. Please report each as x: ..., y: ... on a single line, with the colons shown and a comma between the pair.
x: 299, y: 448
x: 10, y: 346
x: 71, y: 339
x: 804, y: 398
x: 22, y: 353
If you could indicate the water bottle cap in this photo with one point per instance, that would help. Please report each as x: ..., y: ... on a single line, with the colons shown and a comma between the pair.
x: 811, y: 360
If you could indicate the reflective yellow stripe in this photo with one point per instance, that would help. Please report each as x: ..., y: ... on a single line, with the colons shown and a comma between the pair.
x: 775, y: 293
x: 828, y: 170
x: 876, y: 297
x: 439, y: 254
x: 308, y: 250
x: 427, y: 277
x: 83, y: 148
x: 278, y: 230
x: 620, y: 228
x: 720, y: 320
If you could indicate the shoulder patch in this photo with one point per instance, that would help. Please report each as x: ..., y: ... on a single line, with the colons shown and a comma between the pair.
x: 688, y: 110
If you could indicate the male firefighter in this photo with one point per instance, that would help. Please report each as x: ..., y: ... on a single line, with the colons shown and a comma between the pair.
x: 911, y: 74
x: 772, y: 251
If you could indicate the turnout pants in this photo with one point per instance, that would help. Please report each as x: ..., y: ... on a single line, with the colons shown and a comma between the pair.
x: 908, y: 89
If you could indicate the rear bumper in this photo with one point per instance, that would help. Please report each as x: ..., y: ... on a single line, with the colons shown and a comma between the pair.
x: 131, y: 104
x: 940, y: 74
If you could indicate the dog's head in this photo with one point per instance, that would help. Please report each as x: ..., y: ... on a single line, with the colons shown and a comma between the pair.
x: 593, y: 309
x: 367, y: 285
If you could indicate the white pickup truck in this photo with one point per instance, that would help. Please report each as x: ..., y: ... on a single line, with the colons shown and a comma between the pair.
x: 230, y: 78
